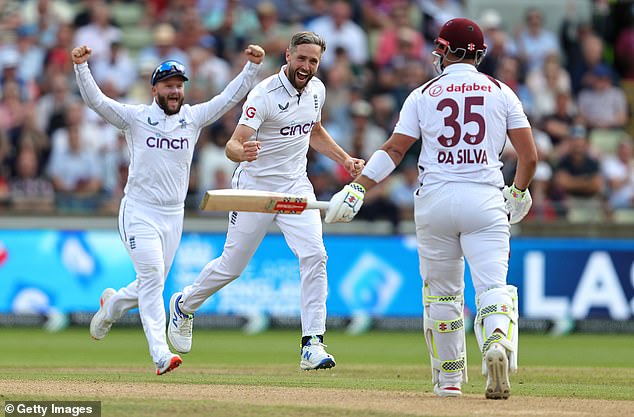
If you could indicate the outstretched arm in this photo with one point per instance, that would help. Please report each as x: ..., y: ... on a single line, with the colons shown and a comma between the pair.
x: 323, y: 143
x: 346, y: 203
x: 111, y: 110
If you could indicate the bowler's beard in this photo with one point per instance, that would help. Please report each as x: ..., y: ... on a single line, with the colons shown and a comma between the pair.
x: 162, y: 102
x: 292, y: 77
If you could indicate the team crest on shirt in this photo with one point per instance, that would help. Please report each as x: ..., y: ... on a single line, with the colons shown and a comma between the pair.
x: 183, y: 123
x: 316, y: 101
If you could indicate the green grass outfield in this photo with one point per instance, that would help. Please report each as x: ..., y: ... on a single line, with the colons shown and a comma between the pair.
x: 230, y: 373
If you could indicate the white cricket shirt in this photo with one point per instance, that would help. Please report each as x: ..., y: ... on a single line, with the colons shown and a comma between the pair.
x: 283, y: 120
x: 462, y: 117
x: 161, y: 146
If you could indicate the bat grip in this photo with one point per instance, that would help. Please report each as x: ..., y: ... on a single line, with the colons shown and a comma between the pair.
x: 322, y: 205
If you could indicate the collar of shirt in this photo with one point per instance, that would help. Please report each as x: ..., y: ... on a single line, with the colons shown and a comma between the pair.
x: 459, y: 67
x: 290, y: 89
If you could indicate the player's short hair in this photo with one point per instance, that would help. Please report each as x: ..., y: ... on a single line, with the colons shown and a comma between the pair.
x: 307, y: 38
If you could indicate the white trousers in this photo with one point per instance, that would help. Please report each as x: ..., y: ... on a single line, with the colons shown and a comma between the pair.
x: 303, y: 234
x: 454, y: 222
x: 151, y: 235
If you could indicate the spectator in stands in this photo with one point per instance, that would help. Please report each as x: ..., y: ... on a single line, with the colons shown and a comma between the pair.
x: 28, y: 134
x: 535, y: 42
x: 544, y: 83
x: 403, y: 188
x: 9, y: 65
x: 398, y: 38
x: 557, y: 124
x: 210, y: 73
x: 618, y: 171
x: 118, y: 70
x: 75, y: 175
x: 436, y: 13
x: 577, y: 180
x: 232, y: 24
x: 99, y: 33
x: 51, y: 107
x: 5, y: 151
x: 499, y: 43
x: 12, y: 107
x: 365, y: 136
x: 31, y: 55
x: 340, y: 31
x: 30, y: 191
x: 603, y: 105
x: 273, y: 36
x: 164, y: 47
x: 56, y: 57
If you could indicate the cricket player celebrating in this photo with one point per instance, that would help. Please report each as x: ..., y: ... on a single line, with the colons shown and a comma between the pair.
x: 281, y: 118
x: 463, y: 117
x: 161, y: 138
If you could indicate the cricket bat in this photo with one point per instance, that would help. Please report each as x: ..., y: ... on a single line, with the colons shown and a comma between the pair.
x: 258, y: 201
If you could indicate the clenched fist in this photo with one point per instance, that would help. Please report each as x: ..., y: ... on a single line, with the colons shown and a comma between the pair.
x: 255, y: 53
x: 81, y: 54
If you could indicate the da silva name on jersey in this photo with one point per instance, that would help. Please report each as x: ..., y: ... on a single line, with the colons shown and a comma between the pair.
x: 463, y: 156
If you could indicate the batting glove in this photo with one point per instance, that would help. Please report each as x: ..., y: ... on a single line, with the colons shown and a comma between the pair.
x: 518, y: 202
x: 345, y: 204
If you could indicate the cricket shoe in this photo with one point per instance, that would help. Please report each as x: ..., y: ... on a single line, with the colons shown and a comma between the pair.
x: 168, y: 363
x: 447, y: 391
x: 99, y: 326
x: 180, y: 326
x: 314, y: 356
x: 497, y: 363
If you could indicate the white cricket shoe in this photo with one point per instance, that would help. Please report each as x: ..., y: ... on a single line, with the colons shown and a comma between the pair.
x: 168, y: 363
x: 497, y: 363
x: 180, y: 326
x: 99, y: 326
x: 447, y: 391
x: 314, y: 356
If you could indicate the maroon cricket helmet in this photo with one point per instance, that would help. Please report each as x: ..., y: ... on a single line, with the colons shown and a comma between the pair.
x: 463, y: 38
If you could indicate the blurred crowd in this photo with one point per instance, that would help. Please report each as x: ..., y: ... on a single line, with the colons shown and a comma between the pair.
x: 57, y: 156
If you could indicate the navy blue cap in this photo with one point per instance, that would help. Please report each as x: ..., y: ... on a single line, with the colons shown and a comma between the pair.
x: 168, y: 69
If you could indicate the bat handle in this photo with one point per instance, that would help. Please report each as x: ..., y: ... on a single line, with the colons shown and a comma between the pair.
x: 322, y: 205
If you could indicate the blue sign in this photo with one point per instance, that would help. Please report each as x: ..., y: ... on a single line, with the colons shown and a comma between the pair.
x: 376, y: 276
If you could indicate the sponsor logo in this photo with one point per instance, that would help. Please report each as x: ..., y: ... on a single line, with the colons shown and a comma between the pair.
x: 283, y: 108
x: 167, y: 143
x: 435, y: 91
x: 250, y: 112
x: 298, y: 129
x: 464, y: 87
x: 150, y: 122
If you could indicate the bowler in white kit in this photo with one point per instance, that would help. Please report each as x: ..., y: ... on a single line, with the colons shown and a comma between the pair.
x: 280, y: 119
x: 161, y: 138
x: 462, y: 207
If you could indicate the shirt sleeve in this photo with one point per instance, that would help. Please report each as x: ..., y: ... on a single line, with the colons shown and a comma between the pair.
x: 254, y: 110
x: 408, y: 123
x: 112, y: 111
x: 210, y: 111
x: 516, y: 118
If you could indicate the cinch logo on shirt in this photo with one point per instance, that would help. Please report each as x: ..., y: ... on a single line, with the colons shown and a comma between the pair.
x: 465, y: 87
x: 297, y: 129
x: 167, y: 143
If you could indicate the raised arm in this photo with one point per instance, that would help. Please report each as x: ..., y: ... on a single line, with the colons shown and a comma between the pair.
x: 111, y: 110
x: 235, y: 91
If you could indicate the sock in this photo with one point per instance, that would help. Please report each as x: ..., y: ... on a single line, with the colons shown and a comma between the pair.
x: 305, y: 339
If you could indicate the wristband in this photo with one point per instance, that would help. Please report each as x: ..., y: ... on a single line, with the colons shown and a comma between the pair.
x: 379, y: 166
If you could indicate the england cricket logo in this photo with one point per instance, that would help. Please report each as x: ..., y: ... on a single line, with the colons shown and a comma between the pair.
x: 316, y: 101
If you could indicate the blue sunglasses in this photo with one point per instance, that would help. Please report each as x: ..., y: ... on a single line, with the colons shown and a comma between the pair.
x: 168, y: 69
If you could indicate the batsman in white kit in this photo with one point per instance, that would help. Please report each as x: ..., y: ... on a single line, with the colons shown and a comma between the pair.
x: 462, y: 207
x: 161, y: 138
x: 280, y: 119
